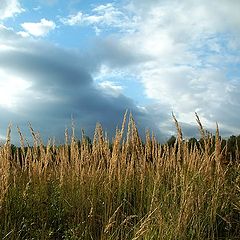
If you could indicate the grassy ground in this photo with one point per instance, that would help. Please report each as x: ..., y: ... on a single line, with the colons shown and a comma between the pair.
x: 122, y: 190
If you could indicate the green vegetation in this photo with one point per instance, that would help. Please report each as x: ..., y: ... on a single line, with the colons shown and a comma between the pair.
x: 125, y: 189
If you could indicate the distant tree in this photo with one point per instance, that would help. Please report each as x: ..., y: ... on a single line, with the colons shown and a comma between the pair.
x: 193, y: 142
x: 201, y: 143
x: 238, y: 141
x: 231, y: 146
x: 171, y: 141
x: 88, y: 140
x: 231, y: 142
x: 13, y: 148
x: 224, y: 143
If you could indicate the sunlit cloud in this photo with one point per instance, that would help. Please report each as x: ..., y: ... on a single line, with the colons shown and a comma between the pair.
x: 102, y: 17
x: 10, y: 8
x: 38, y: 29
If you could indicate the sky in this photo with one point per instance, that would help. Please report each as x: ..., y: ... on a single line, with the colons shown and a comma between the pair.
x: 90, y: 60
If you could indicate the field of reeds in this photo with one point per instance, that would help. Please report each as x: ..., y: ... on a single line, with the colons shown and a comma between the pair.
x: 125, y: 188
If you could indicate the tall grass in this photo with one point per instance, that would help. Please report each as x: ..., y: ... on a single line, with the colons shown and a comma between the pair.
x: 128, y: 188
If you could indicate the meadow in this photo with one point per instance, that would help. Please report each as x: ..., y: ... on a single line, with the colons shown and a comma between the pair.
x: 121, y: 188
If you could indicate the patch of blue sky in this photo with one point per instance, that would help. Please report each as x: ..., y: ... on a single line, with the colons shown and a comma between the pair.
x: 87, y: 5
x: 73, y: 37
x: 79, y: 36
x: 33, y: 12
x: 214, y: 51
x: 135, y: 89
x: 67, y: 36
x: 130, y: 84
x: 233, y: 72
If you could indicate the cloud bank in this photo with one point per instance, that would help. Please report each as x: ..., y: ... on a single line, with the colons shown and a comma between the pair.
x: 47, y: 86
x: 186, y: 55
x: 195, y: 56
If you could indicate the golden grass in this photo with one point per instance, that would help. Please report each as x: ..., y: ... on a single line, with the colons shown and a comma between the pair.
x: 120, y: 189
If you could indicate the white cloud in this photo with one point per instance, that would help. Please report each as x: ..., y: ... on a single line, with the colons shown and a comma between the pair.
x: 11, y: 88
x: 23, y: 34
x: 9, y: 8
x: 190, y: 57
x: 102, y: 17
x: 110, y: 88
x: 73, y: 19
x: 191, y: 45
x: 39, y: 29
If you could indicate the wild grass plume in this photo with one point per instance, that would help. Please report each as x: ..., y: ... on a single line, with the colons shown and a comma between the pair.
x: 125, y: 188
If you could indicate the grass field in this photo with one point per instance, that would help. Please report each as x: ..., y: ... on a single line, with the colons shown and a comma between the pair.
x: 128, y: 188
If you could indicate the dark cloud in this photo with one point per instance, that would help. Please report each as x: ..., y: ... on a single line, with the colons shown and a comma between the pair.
x: 159, y: 51
x: 116, y: 53
x: 61, y: 88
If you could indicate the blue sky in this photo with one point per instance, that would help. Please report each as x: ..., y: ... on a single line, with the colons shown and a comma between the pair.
x: 94, y: 59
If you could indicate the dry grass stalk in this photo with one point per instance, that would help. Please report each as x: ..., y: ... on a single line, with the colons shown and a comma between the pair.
x: 160, y: 183
x: 5, y: 159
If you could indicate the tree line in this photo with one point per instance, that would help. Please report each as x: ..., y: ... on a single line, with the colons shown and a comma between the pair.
x: 230, y: 146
